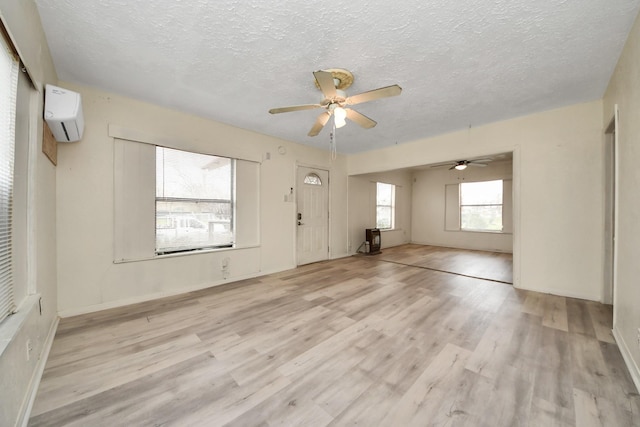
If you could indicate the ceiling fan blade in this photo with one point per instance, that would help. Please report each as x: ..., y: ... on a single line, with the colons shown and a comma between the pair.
x: 319, y: 124
x: 294, y: 108
x: 383, y: 92
x: 325, y: 81
x: 478, y: 165
x: 441, y: 165
x: 360, y: 119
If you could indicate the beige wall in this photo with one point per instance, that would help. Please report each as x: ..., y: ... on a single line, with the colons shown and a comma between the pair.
x: 88, y: 279
x: 362, y: 208
x: 428, y: 208
x: 558, y: 190
x: 19, y: 376
x: 624, y: 90
x: 558, y: 213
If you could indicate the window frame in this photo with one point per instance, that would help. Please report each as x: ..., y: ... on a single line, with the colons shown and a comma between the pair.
x: 231, y: 202
x: 391, y: 207
x: 501, y: 205
x: 8, y: 149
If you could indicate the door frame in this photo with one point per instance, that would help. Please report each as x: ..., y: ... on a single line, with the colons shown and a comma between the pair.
x: 609, y: 292
x: 297, y: 166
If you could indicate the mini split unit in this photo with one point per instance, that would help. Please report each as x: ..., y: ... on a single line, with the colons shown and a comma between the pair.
x: 63, y: 113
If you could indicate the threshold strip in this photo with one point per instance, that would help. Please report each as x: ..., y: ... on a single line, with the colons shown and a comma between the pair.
x: 448, y: 272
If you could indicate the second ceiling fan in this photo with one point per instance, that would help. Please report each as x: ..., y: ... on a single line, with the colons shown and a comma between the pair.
x: 462, y: 164
x: 335, y: 101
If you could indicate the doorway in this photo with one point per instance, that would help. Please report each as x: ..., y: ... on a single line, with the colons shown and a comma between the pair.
x: 312, y: 241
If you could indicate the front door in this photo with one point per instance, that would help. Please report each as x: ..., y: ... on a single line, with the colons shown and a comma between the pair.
x: 313, y: 215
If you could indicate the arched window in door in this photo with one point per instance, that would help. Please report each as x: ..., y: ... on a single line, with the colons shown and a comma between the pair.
x: 312, y: 179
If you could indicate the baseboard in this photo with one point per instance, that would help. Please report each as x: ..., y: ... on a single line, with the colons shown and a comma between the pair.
x: 441, y: 245
x: 37, y: 375
x: 561, y: 293
x: 632, y: 367
x: 158, y: 295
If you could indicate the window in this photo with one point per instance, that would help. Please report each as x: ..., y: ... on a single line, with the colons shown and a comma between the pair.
x: 167, y: 200
x: 312, y: 179
x: 481, y: 206
x: 385, y: 205
x: 194, y: 201
x: 8, y: 99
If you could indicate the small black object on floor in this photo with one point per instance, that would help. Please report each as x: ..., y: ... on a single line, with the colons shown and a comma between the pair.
x: 372, y: 236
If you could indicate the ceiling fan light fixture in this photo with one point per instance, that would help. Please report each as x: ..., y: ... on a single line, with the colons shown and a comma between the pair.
x: 332, y: 84
x: 339, y: 116
x: 461, y: 166
x: 340, y: 113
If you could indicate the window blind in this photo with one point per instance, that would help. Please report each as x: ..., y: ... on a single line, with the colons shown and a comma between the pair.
x: 8, y: 91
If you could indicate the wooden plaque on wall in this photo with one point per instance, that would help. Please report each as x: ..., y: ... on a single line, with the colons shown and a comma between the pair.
x: 49, y: 144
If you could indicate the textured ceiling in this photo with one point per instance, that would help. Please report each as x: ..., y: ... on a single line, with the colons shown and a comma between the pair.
x: 459, y: 63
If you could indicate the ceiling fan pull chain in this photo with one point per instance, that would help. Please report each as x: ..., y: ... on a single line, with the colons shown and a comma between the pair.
x: 332, y: 142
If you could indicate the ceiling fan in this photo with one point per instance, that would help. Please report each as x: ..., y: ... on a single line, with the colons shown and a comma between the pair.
x: 335, y: 101
x: 462, y: 164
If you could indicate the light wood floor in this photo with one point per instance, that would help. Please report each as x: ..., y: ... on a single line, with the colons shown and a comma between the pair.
x: 356, y: 341
x: 477, y: 264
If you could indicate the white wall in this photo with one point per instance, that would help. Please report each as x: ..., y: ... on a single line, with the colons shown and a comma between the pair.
x: 558, y: 185
x: 428, y: 208
x: 88, y: 279
x: 362, y: 208
x: 19, y: 376
x: 624, y: 90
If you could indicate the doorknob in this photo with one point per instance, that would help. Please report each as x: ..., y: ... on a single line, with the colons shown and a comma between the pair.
x: 300, y: 223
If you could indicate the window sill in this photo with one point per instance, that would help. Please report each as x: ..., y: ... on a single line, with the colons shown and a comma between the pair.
x: 483, y: 231
x: 188, y: 253
x: 11, y: 326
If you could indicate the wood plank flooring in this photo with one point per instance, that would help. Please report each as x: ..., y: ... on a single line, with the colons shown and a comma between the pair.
x: 356, y: 341
x: 494, y: 266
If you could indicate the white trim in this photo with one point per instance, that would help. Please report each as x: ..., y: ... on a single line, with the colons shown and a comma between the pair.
x: 448, y: 245
x: 561, y: 293
x: 32, y: 189
x: 37, y: 375
x: 628, y: 359
x: 616, y: 208
x: 515, y: 213
x: 186, y: 253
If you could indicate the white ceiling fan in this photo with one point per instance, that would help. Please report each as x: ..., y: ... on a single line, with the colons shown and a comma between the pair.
x: 335, y: 101
x: 462, y: 164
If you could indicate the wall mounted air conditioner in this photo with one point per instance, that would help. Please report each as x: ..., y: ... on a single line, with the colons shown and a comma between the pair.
x: 63, y: 113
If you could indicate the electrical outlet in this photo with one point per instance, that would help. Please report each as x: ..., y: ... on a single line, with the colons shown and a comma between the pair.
x: 29, y: 349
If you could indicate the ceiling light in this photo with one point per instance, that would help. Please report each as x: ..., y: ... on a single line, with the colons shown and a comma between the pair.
x: 461, y: 166
x: 340, y: 114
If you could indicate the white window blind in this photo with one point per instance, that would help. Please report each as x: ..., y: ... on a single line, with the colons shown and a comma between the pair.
x: 8, y: 91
